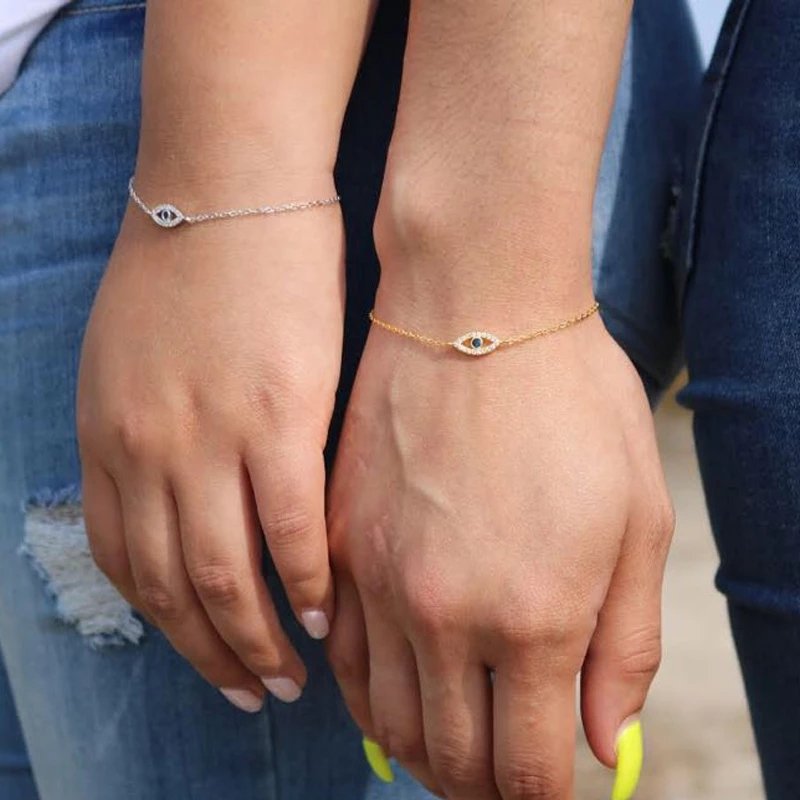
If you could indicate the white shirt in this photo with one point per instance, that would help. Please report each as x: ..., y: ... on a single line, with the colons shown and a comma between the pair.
x: 21, y: 21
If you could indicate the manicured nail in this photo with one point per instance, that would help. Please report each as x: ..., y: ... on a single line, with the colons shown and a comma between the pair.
x: 376, y: 758
x: 630, y: 753
x: 243, y: 699
x: 283, y: 688
x: 315, y: 623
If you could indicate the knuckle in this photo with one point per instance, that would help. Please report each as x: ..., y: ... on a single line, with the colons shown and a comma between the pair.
x: 560, y: 638
x: 158, y: 600
x: 528, y: 781
x: 135, y: 434
x: 434, y: 605
x: 640, y: 654
x: 289, y: 528
x: 556, y: 629
x: 291, y: 396
x: 432, y: 616
x: 456, y: 769
x: 216, y: 584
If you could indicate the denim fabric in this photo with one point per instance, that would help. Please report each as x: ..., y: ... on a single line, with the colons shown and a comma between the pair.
x: 742, y: 338
x: 641, y: 170
x: 133, y: 721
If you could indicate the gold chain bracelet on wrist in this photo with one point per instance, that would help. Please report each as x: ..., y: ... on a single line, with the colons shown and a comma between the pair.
x: 481, y: 343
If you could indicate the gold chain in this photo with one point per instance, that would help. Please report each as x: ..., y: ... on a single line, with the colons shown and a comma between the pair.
x: 478, y: 339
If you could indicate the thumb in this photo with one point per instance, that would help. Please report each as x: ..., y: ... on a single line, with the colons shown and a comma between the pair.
x: 289, y: 486
x: 625, y: 650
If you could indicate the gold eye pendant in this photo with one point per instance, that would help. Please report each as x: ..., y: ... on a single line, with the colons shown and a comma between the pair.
x: 476, y: 343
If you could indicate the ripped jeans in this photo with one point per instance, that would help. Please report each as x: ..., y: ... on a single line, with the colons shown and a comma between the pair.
x: 97, y: 706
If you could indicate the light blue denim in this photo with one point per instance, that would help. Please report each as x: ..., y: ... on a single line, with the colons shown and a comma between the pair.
x: 128, y: 719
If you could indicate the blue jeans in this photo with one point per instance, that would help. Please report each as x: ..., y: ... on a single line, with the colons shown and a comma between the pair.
x: 741, y: 295
x: 97, y: 705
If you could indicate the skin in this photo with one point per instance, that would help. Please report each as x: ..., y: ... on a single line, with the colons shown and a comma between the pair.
x: 509, y: 513
x: 212, y: 355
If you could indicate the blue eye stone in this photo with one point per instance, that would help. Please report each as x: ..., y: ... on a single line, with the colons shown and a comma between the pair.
x: 167, y: 216
x: 476, y: 343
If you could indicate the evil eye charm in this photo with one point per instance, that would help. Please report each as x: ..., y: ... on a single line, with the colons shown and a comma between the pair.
x: 167, y: 216
x: 476, y: 343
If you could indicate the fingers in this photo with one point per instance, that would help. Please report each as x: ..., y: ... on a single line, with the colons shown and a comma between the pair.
x: 625, y: 649
x: 104, y: 528
x: 289, y: 486
x: 348, y: 654
x: 222, y: 550
x: 164, y: 592
x: 534, y: 730
x: 457, y: 710
x: 394, y: 696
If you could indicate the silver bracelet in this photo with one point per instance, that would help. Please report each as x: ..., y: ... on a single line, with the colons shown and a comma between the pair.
x: 167, y: 215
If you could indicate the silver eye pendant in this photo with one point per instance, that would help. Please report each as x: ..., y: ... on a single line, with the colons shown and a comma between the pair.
x: 167, y: 216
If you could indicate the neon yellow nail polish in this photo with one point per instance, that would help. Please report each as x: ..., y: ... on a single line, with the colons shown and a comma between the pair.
x: 376, y: 758
x: 630, y: 753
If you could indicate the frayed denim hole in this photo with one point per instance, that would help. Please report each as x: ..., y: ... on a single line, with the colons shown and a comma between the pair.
x: 56, y: 544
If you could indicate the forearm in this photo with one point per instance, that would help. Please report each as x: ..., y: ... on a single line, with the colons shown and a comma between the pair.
x: 494, y: 159
x: 237, y: 93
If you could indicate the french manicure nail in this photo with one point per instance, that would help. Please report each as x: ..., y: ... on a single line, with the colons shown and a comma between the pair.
x: 377, y: 760
x: 630, y: 754
x: 243, y: 699
x: 316, y: 623
x: 283, y: 688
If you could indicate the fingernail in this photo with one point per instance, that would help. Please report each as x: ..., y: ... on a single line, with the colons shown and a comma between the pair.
x: 243, y: 699
x: 630, y: 753
x: 315, y: 623
x: 283, y: 688
x: 376, y: 758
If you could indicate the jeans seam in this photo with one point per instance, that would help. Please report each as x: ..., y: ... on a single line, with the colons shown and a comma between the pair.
x: 697, y: 174
x: 74, y: 12
x: 757, y: 595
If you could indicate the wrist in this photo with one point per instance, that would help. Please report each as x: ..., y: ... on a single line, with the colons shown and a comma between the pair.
x: 451, y: 252
x: 198, y: 150
x: 314, y: 236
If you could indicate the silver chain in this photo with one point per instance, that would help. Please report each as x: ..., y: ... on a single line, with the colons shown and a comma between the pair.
x: 167, y: 215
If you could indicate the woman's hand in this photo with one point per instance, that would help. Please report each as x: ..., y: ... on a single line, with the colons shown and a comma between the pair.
x: 206, y: 386
x: 212, y: 355
x: 505, y: 515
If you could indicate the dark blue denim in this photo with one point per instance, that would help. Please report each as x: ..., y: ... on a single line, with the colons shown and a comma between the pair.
x: 741, y: 325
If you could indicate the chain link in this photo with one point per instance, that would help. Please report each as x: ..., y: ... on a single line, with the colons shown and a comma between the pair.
x: 233, y: 213
x: 429, y: 341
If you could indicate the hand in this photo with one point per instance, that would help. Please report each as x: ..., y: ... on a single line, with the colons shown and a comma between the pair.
x: 207, y: 382
x: 504, y: 515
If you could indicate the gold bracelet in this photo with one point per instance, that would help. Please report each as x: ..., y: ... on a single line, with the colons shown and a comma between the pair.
x: 481, y: 343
